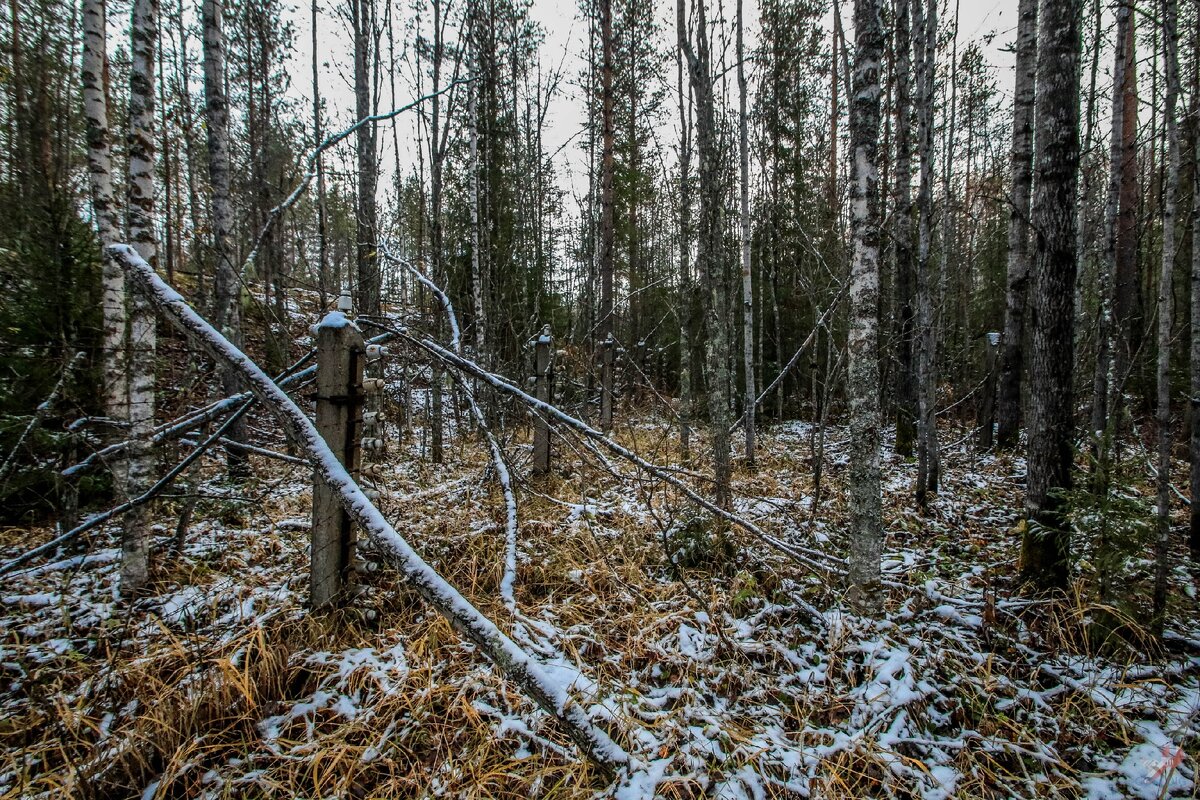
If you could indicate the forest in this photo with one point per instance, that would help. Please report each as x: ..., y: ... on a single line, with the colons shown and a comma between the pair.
x: 608, y: 399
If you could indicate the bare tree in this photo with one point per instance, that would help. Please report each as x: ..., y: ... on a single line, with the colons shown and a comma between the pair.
x: 323, y: 284
x: 1012, y: 354
x: 863, y: 343
x: 1170, y: 26
x: 711, y: 272
x: 226, y: 282
x: 685, y: 304
x: 362, y: 21
x: 95, y: 109
x: 604, y: 327
x: 751, y: 393
x: 135, y: 543
x: 925, y: 24
x: 1194, y: 449
x: 906, y: 386
x: 1046, y: 544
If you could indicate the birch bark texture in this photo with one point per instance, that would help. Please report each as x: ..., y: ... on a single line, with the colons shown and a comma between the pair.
x: 1012, y: 354
x: 1045, y: 548
x: 95, y: 112
x: 135, y: 542
x: 863, y: 340
x: 226, y: 280
x: 1105, y: 382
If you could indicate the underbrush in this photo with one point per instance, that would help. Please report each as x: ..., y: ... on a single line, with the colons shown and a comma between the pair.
x: 696, y: 647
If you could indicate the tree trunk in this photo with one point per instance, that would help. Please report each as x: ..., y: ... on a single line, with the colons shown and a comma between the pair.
x: 226, y: 282
x: 685, y: 280
x: 1170, y: 24
x: 135, y: 543
x: 906, y: 385
x: 323, y: 286
x: 751, y: 392
x: 1046, y: 544
x: 1127, y: 281
x: 1012, y: 354
x: 1194, y: 534
x: 863, y: 340
x: 712, y: 275
x: 925, y: 19
x: 1106, y: 380
x: 362, y: 20
x: 95, y: 108
x: 604, y: 328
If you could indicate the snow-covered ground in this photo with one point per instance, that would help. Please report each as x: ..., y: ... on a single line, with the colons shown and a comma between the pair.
x: 716, y: 676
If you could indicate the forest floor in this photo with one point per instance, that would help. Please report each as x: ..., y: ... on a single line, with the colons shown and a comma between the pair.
x: 219, y: 683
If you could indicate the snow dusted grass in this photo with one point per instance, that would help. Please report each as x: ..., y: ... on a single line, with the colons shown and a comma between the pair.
x: 220, y: 685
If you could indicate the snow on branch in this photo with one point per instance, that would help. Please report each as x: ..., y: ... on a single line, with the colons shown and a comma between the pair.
x: 810, y: 557
x: 525, y: 671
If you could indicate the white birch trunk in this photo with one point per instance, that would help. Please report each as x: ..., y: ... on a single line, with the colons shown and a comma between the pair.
x: 95, y: 110
x: 226, y: 284
x: 863, y: 339
x: 135, y: 545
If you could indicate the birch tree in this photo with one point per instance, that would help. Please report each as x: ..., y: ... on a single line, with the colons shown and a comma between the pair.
x: 863, y: 342
x: 226, y: 283
x: 1012, y: 353
x: 135, y: 542
x: 95, y: 109
x: 1045, y: 546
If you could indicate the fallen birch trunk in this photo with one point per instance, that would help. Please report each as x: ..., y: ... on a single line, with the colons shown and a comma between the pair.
x: 526, y: 672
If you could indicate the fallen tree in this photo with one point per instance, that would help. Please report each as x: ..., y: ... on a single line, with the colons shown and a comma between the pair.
x: 517, y: 665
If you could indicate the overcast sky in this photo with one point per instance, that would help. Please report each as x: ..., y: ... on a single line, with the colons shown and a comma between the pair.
x: 566, y: 44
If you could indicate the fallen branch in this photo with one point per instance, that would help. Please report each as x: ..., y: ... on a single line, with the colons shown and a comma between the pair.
x: 509, y: 579
x: 526, y: 672
x: 799, y: 553
x: 129, y: 505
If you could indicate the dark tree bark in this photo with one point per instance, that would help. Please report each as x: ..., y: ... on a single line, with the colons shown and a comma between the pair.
x: 712, y: 275
x: 905, y: 286
x: 362, y: 17
x: 1162, y: 539
x: 1046, y: 544
x: 604, y: 327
